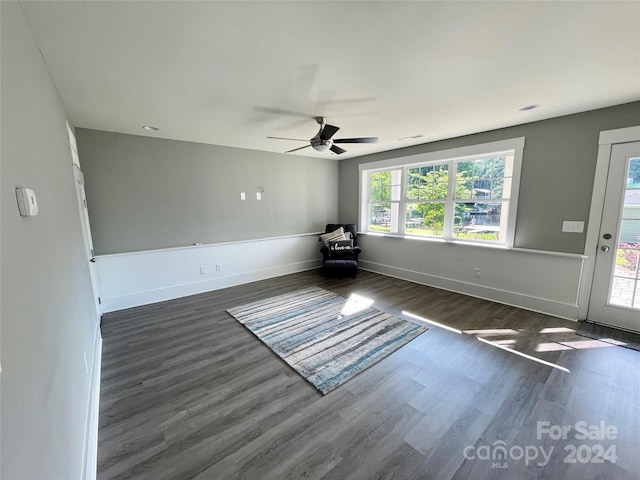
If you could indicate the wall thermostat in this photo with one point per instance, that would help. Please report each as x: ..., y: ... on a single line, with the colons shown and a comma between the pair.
x: 27, y: 202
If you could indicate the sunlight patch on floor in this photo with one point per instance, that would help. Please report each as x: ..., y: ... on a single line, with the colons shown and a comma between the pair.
x: 523, y: 355
x: 355, y: 303
x: 582, y: 344
x: 557, y: 330
x: 507, y: 342
x: 431, y: 322
x: 551, y: 347
x: 491, y: 332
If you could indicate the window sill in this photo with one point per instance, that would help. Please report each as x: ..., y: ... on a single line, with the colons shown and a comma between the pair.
x: 473, y: 244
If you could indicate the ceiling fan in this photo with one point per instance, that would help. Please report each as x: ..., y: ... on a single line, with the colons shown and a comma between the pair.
x: 323, y: 140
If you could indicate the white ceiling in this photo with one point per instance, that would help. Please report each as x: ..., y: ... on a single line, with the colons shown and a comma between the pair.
x: 217, y: 72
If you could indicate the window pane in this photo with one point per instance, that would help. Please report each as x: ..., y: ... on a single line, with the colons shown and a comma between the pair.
x: 380, y: 217
x: 482, y: 179
x: 483, y: 168
x: 629, y: 233
x: 499, y: 167
x: 497, y: 187
x: 626, y: 263
x: 466, y: 168
x: 633, y: 175
x: 464, y: 180
x: 427, y: 182
x: 425, y: 219
x: 380, y: 186
x: 482, y: 188
x: 479, y: 221
x: 464, y: 187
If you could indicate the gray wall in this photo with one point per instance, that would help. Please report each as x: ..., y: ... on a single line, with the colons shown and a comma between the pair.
x: 558, y: 170
x: 48, y: 319
x: 147, y: 193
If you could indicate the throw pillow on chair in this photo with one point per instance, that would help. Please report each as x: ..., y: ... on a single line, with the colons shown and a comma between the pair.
x: 340, y: 247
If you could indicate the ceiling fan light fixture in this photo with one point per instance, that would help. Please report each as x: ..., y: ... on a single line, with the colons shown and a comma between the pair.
x: 321, y: 145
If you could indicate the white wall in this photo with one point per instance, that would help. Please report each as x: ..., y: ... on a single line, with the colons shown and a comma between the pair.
x: 535, y: 280
x: 139, y: 278
x: 49, y: 323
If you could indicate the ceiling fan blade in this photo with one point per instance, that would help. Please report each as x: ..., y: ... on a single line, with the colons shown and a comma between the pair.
x: 356, y: 140
x: 337, y: 150
x: 280, y: 111
x: 296, y: 149
x: 328, y: 131
x: 285, y: 138
x: 345, y: 101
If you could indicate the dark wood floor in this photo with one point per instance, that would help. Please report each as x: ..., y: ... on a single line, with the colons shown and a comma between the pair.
x: 187, y: 392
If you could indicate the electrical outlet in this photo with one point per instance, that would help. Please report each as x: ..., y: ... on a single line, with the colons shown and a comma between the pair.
x: 476, y: 272
x: 218, y: 267
x: 203, y: 270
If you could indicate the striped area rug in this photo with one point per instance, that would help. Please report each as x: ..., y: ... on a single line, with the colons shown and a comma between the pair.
x: 326, y: 338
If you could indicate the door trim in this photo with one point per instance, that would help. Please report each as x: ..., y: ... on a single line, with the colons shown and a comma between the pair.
x: 606, y: 141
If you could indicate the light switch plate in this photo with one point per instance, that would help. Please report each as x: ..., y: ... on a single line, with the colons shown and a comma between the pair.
x: 570, y: 226
x: 242, y: 196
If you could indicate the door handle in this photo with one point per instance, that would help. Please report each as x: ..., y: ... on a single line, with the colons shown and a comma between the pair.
x: 93, y: 259
x: 604, y: 248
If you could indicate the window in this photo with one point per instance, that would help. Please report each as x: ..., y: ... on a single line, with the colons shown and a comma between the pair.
x: 467, y: 194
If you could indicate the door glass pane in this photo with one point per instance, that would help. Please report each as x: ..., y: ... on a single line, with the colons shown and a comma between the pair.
x: 626, y: 263
x: 625, y: 285
x: 622, y: 292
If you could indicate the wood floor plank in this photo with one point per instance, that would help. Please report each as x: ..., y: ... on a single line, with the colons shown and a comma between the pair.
x: 188, y: 393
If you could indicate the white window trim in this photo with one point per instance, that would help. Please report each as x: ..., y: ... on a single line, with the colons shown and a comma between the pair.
x: 514, y: 144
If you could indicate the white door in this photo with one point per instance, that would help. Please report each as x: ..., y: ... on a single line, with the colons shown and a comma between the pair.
x: 84, y: 218
x: 615, y: 292
x: 86, y: 233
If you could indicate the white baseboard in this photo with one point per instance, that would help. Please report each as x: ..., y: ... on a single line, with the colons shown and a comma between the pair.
x: 515, y: 299
x: 90, y: 467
